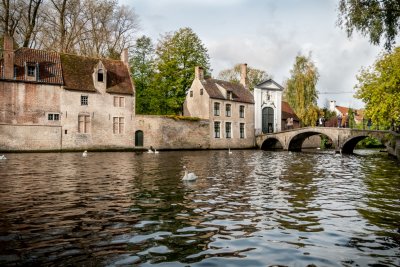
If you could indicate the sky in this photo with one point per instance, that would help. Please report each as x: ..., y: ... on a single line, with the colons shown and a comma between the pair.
x: 268, y: 35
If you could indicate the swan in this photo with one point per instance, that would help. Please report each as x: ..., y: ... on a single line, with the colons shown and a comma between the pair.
x: 150, y: 151
x: 2, y: 157
x: 155, y: 151
x: 84, y: 154
x: 229, y: 151
x: 188, y: 176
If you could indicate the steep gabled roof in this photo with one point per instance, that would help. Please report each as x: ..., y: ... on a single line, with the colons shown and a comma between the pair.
x: 49, y: 63
x: 287, y: 112
x: 239, y: 92
x: 78, y: 74
x: 73, y: 71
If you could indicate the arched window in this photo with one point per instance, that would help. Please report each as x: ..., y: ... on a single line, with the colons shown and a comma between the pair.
x: 100, y: 77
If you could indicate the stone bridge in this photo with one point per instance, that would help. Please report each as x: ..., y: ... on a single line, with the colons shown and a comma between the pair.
x: 344, y: 140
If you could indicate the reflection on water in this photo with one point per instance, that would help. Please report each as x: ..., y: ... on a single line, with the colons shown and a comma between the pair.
x: 251, y: 208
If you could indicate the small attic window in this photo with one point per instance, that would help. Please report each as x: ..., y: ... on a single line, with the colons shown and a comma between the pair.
x: 31, y: 70
x: 229, y: 95
x: 100, y: 76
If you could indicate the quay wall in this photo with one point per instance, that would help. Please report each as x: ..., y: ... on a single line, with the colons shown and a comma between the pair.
x: 30, y: 137
x: 162, y: 132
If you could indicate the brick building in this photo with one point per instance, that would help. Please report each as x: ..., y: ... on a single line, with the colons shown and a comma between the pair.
x: 51, y: 100
x: 229, y: 107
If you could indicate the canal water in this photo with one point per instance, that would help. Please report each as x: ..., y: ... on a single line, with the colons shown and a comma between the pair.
x: 250, y: 208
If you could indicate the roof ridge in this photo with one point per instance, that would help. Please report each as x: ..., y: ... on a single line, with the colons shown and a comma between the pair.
x: 88, y: 57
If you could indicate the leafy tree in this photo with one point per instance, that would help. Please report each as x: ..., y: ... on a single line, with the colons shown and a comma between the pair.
x: 255, y: 76
x: 379, y: 88
x: 142, y: 65
x: 301, y: 90
x: 178, y: 53
x: 375, y: 18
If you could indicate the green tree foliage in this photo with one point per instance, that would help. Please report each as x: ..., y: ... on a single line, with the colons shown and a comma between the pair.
x: 373, y: 18
x: 379, y: 88
x: 301, y: 90
x: 254, y: 76
x: 178, y: 53
x: 142, y: 65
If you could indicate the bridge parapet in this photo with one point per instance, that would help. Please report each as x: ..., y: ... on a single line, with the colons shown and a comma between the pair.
x: 343, y: 139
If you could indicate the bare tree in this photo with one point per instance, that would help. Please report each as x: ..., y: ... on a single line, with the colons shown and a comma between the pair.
x: 29, y: 21
x: 10, y: 16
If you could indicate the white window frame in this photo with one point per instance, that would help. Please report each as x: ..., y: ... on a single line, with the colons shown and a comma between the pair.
x: 242, y: 135
x: 84, y: 100
x: 240, y: 112
x: 84, y: 123
x: 53, y: 116
x: 217, y: 134
x: 228, y: 135
x: 118, y: 125
x: 119, y: 101
x: 217, y: 112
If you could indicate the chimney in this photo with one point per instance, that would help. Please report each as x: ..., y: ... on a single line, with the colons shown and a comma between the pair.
x: 199, y: 73
x: 124, y: 56
x: 8, y: 56
x: 332, y: 105
x: 243, y: 75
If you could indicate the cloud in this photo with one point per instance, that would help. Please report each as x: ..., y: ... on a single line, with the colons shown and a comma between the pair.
x: 267, y: 35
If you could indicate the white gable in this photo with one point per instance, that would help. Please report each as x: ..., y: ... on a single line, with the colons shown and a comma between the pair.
x: 269, y: 84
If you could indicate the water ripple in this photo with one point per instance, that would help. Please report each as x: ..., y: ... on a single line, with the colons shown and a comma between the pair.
x: 253, y: 208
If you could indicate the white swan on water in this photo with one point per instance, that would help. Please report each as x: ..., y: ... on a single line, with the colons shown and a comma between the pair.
x: 155, y: 151
x: 150, y: 151
x: 2, y: 157
x: 84, y: 154
x: 229, y: 151
x: 188, y: 176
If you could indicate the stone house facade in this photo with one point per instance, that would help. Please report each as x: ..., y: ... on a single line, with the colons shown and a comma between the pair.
x: 229, y: 107
x: 55, y: 101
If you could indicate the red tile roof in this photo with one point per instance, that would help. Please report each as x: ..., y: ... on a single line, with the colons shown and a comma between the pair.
x: 78, y: 74
x: 49, y: 65
x: 287, y: 112
x: 73, y: 71
x: 239, y: 92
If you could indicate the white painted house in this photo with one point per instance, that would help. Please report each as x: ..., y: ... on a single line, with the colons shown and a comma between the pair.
x: 268, y: 107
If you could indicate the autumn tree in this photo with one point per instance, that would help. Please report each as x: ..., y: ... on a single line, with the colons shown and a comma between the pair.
x: 301, y: 90
x: 379, y: 88
x: 378, y: 19
x: 254, y: 76
x: 143, y: 70
x: 178, y: 53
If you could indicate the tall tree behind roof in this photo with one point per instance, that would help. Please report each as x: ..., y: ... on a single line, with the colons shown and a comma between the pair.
x: 254, y: 76
x: 98, y: 28
x: 178, y: 53
x: 301, y: 90
x: 143, y: 69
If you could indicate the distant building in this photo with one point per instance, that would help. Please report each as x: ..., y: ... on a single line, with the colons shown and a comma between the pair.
x: 344, y: 111
x: 228, y: 106
x: 51, y: 100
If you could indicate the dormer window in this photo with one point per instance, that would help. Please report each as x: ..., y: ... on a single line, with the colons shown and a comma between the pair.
x: 100, y: 76
x: 229, y: 96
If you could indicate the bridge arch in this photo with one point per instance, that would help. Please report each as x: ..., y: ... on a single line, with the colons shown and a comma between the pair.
x: 296, y: 142
x: 272, y: 143
x: 350, y: 143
